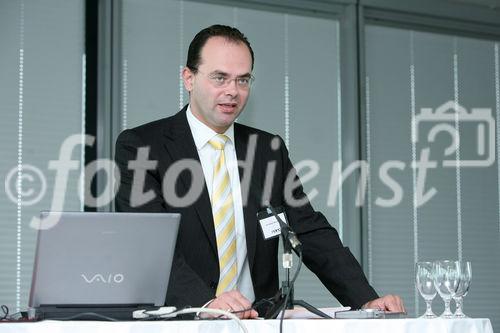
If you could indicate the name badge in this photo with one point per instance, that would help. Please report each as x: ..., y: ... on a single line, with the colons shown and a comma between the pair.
x: 269, y: 225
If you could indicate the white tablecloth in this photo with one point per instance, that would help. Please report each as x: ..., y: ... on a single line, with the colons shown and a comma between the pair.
x: 259, y: 326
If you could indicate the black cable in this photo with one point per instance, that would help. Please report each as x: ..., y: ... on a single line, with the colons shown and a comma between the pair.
x: 258, y: 303
x: 253, y: 307
x: 88, y: 314
x: 290, y: 241
x: 292, y: 283
x: 283, y: 310
x: 5, y: 311
x: 156, y: 318
x: 298, y: 269
x: 18, y: 316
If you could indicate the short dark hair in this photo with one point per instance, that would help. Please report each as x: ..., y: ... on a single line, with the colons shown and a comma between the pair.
x: 229, y: 33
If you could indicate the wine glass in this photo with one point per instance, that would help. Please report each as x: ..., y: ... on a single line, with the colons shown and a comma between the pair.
x: 465, y: 272
x: 446, y: 281
x: 424, y: 280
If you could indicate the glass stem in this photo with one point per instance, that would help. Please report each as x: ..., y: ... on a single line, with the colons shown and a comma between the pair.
x: 429, y: 309
x: 459, y: 303
x: 447, y: 306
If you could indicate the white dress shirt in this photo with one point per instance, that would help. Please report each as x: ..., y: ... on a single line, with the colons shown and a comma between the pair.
x: 208, y: 156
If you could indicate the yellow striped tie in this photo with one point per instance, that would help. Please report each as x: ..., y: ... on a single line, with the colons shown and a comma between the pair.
x: 223, y: 212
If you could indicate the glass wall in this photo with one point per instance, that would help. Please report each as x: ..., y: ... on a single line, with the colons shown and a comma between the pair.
x: 41, y: 66
x: 435, y: 196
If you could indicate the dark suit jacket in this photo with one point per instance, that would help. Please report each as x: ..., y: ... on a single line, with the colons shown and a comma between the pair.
x: 195, y: 271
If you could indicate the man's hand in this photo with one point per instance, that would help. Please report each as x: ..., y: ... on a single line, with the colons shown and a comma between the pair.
x: 391, y: 303
x: 234, y: 301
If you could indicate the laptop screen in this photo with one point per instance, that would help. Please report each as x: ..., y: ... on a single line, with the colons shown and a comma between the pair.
x: 92, y: 258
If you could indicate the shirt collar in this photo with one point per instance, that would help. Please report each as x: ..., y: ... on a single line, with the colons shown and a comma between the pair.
x: 202, y: 133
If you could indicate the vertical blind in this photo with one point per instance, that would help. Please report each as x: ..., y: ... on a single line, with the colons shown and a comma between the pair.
x: 407, y: 71
x: 292, y: 96
x: 41, y: 66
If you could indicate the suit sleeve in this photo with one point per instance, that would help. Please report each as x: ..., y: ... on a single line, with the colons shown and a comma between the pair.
x: 323, y: 252
x: 185, y: 288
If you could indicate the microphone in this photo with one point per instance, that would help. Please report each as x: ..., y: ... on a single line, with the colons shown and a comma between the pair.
x: 288, y: 234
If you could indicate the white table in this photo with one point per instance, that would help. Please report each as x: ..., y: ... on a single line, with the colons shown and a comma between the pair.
x: 480, y: 325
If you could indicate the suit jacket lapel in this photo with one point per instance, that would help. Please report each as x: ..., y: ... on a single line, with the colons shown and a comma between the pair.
x: 180, y: 145
x: 250, y: 207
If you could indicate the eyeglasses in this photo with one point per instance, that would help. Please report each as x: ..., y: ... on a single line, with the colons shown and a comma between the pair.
x: 221, y: 80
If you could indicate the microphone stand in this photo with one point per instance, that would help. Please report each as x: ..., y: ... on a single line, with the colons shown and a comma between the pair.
x: 286, y: 293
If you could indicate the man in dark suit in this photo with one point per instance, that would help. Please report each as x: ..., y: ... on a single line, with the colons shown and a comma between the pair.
x: 219, y: 174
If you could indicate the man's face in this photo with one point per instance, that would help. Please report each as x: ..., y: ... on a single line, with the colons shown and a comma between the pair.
x: 218, y: 106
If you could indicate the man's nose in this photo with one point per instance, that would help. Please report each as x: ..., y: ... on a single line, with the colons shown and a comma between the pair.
x: 232, y: 88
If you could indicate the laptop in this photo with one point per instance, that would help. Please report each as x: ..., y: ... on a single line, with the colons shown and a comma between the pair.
x: 104, y: 263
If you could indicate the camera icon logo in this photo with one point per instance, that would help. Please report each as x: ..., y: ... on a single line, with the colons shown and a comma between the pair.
x: 445, y: 118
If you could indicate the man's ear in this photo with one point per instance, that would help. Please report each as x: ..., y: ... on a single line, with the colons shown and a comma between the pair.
x: 188, y: 78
